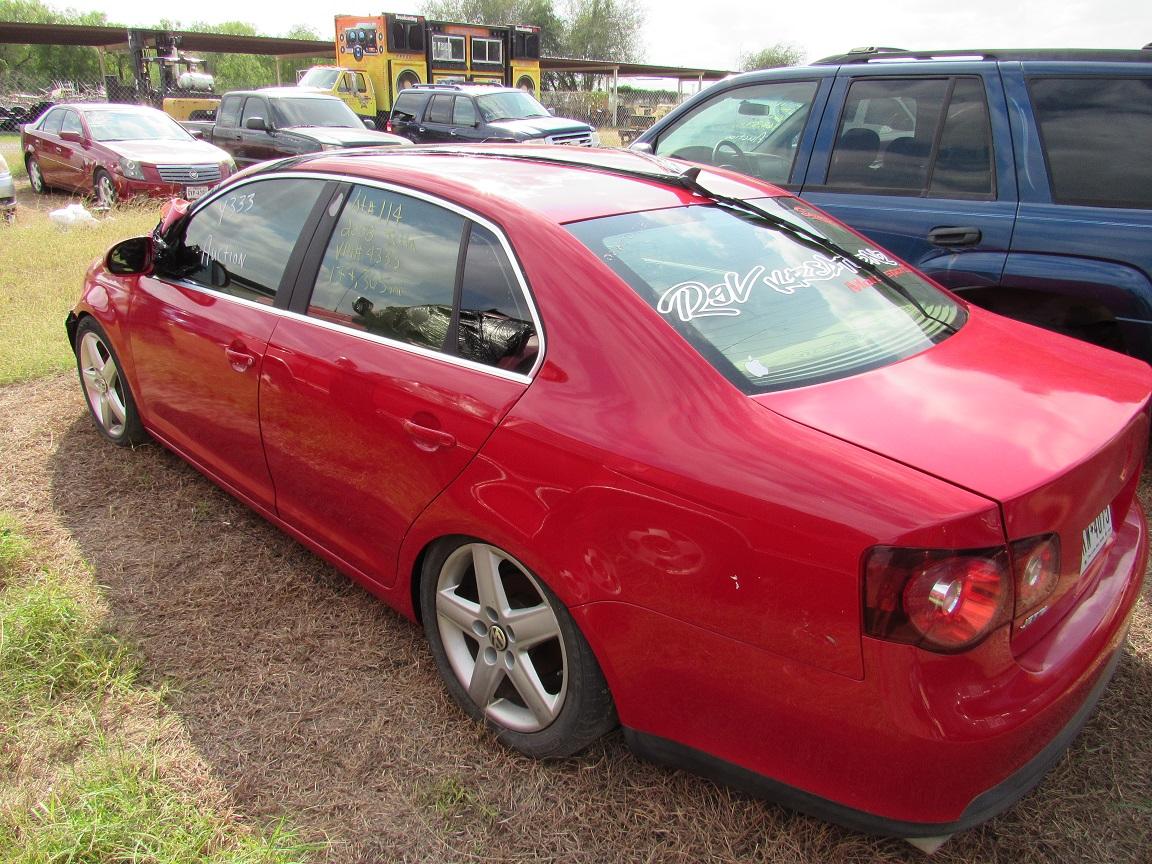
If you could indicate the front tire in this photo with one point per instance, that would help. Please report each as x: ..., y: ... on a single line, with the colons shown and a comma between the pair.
x: 35, y: 176
x: 106, y: 391
x: 104, y: 189
x: 509, y: 652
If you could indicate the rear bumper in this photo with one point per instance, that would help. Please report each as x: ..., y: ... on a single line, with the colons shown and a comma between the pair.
x: 925, y: 745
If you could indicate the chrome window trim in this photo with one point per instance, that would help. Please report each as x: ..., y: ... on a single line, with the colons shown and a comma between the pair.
x: 513, y: 261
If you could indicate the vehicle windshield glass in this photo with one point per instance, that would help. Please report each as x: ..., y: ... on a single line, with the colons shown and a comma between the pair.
x: 769, y: 309
x: 115, y: 125
x: 314, y: 112
x: 509, y: 106
x: 322, y: 78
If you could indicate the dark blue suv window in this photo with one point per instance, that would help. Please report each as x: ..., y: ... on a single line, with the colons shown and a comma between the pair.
x: 1088, y: 126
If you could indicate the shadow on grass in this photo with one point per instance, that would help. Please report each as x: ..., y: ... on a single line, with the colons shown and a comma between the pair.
x: 312, y: 700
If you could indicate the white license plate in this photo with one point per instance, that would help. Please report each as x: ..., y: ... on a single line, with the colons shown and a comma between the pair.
x: 191, y: 193
x: 1096, y: 535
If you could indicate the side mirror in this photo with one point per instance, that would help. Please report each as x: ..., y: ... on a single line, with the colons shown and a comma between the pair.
x: 196, y: 133
x: 552, y: 112
x: 72, y: 137
x: 132, y: 257
x: 642, y: 147
x: 258, y: 123
x: 370, y: 123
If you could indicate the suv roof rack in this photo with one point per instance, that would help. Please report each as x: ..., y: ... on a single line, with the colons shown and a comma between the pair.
x: 457, y: 85
x: 891, y: 55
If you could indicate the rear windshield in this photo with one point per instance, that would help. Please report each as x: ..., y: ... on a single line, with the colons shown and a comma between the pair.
x: 769, y: 308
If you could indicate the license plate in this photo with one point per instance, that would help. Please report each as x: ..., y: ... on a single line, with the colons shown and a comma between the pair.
x: 191, y: 193
x: 1096, y: 535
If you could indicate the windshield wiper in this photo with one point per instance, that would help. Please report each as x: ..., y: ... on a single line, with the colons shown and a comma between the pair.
x: 688, y: 180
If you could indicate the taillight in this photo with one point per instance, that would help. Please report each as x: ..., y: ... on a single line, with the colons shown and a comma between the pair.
x: 388, y: 125
x: 939, y: 599
x: 1036, y: 562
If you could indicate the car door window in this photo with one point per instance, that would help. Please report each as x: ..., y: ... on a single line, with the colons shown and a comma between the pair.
x: 440, y: 111
x: 71, y: 123
x: 229, y: 115
x: 754, y: 129
x: 390, y: 268
x: 920, y: 136
x: 407, y: 107
x: 1089, y: 128
x: 267, y: 214
x: 464, y: 112
x: 53, y: 120
x: 254, y: 106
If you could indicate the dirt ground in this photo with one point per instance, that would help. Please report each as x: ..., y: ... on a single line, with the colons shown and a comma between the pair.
x: 311, y: 701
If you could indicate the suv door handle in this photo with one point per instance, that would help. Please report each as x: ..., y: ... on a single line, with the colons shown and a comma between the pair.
x: 955, y: 236
x: 427, y: 438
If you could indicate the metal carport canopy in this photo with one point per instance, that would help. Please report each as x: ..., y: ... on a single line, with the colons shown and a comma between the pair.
x: 110, y: 38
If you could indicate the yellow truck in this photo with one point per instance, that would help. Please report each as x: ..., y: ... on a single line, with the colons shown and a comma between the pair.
x: 377, y: 56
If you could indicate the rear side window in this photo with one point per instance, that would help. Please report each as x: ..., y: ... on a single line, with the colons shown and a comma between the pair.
x: 229, y: 115
x: 918, y: 136
x: 772, y: 310
x: 1096, y: 134
x: 755, y: 130
x: 440, y: 111
x: 408, y: 270
x: 267, y: 215
x: 407, y: 107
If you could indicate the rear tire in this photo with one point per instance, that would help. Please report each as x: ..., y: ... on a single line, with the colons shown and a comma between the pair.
x: 510, y: 653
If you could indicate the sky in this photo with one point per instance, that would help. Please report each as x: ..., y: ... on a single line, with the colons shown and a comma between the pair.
x: 676, y: 32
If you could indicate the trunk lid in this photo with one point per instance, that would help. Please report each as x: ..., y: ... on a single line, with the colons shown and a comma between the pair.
x: 1053, y: 429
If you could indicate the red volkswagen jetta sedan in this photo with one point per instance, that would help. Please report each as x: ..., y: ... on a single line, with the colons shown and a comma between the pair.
x: 650, y: 445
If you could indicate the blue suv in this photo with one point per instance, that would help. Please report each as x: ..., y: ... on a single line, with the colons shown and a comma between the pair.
x: 1020, y: 179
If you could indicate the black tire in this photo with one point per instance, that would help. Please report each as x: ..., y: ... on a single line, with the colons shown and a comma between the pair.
x: 106, y: 391
x: 103, y: 188
x: 562, y: 662
x: 35, y: 176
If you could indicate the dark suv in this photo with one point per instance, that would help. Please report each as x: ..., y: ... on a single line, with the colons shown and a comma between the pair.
x: 1020, y: 179
x: 438, y: 113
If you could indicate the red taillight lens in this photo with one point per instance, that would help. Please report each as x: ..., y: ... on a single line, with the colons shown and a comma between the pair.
x: 388, y: 126
x: 1036, y: 562
x: 942, y: 600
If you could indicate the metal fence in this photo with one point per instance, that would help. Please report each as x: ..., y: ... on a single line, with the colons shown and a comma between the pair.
x: 18, y: 108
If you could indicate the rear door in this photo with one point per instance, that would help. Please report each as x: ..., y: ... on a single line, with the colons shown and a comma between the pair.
x: 200, y: 325
x: 411, y: 338
x: 922, y: 164
x: 437, y: 126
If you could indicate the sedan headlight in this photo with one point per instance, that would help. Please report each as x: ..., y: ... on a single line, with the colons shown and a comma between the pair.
x: 131, y: 168
x: 595, y: 138
x: 228, y: 167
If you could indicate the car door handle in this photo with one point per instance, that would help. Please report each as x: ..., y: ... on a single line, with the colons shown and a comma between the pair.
x: 421, y: 129
x: 955, y: 236
x: 239, y: 359
x: 427, y: 438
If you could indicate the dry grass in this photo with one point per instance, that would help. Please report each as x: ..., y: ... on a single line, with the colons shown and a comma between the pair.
x: 302, y: 697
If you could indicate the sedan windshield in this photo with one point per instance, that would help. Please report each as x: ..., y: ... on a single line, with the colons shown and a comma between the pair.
x: 773, y: 309
x: 314, y: 112
x: 113, y: 125
x: 509, y: 106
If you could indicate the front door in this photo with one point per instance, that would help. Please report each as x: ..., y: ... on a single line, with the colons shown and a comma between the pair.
x: 200, y: 328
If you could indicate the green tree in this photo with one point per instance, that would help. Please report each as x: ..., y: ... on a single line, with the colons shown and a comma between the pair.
x: 31, y: 67
x: 780, y: 54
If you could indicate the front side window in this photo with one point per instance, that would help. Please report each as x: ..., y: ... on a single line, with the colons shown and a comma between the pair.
x: 53, y: 120
x: 239, y: 243
x: 448, y: 49
x: 919, y: 136
x: 772, y: 310
x: 1096, y: 134
x: 755, y: 130
x: 72, y: 123
x: 487, y: 51
x: 254, y: 106
x: 464, y: 112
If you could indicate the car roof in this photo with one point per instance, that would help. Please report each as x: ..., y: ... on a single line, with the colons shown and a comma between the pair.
x: 294, y: 92
x: 109, y: 106
x: 562, y: 184
x: 470, y: 89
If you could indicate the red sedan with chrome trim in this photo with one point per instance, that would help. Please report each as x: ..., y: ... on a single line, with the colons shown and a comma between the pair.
x: 647, y: 444
x: 113, y: 151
